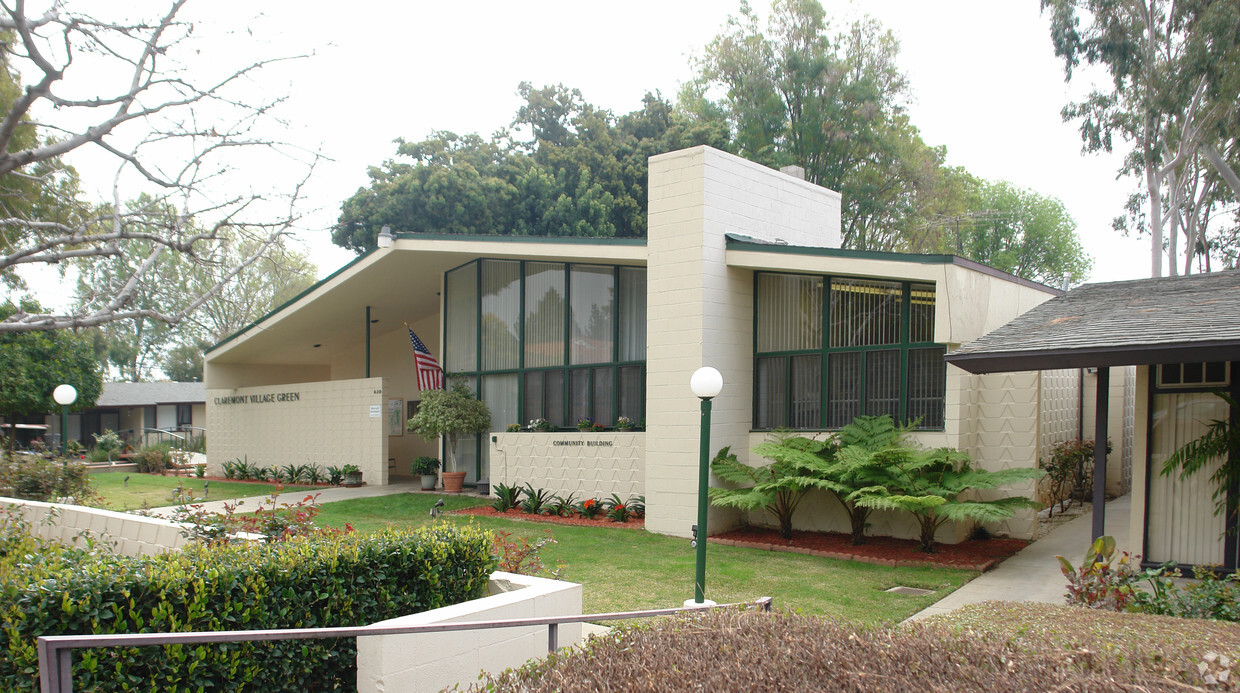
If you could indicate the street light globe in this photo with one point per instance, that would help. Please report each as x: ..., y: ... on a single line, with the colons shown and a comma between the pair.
x: 706, y: 382
x: 64, y: 395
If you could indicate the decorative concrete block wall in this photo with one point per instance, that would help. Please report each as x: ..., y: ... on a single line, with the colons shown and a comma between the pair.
x: 74, y: 525
x: 324, y: 423
x: 435, y: 661
x: 590, y: 465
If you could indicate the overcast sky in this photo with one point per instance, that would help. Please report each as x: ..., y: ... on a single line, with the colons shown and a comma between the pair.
x: 985, y: 84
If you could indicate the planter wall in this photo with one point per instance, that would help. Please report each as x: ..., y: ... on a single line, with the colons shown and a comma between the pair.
x: 591, y: 465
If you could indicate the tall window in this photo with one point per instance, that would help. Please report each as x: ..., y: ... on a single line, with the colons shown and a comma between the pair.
x: 552, y: 340
x: 878, y: 356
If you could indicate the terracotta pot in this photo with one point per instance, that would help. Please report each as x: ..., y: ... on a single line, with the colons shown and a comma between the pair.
x: 429, y: 481
x: 453, y: 481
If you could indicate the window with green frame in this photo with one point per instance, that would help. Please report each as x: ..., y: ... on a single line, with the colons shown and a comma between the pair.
x: 828, y: 349
x: 554, y: 340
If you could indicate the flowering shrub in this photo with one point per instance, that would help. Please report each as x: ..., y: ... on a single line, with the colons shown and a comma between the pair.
x: 516, y: 555
x: 618, y: 512
x: 589, y: 508
x: 275, y: 521
x: 514, y: 428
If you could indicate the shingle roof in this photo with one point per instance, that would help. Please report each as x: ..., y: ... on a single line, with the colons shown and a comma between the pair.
x: 147, y: 394
x: 1172, y: 319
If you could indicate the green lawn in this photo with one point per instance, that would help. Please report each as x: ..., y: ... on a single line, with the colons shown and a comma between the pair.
x: 153, y: 491
x: 624, y: 570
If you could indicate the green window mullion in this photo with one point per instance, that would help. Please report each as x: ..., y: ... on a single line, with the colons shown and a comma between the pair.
x: 521, y: 348
x: 906, y: 309
x: 568, y: 318
x: 478, y: 325
x: 790, y: 389
x: 824, y: 347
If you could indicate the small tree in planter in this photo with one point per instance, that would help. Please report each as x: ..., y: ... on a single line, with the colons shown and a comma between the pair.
x: 450, y: 414
x: 426, y: 467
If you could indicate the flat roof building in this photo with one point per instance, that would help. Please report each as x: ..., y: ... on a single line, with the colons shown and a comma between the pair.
x: 741, y: 270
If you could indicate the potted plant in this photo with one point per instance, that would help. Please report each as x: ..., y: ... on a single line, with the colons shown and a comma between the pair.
x: 588, y: 424
x: 426, y: 467
x: 624, y: 423
x: 450, y: 414
x: 540, y: 425
x: 352, y: 475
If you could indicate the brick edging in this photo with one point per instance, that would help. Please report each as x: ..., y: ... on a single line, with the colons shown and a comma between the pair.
x: 902, y: 563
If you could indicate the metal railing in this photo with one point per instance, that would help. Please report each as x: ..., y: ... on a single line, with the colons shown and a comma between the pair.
x: 56, y: 651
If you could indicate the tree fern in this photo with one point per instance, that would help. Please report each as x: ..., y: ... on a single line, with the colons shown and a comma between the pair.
x: 778, y: 487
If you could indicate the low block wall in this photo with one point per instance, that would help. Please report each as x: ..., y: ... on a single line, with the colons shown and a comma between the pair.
x: 127, y: 535
x: 591, y: 465
x: 434, y: 661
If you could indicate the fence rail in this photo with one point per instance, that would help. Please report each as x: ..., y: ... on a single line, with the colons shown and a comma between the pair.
x: 56, y: 651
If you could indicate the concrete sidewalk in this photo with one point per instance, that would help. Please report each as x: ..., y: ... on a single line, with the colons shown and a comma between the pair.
x: 326, y: 494
x: 1033, y: 574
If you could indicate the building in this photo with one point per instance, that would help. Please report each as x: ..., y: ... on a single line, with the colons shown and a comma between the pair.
x: 741, y: 270
x: 141, y: 413
x: 1178, y: 338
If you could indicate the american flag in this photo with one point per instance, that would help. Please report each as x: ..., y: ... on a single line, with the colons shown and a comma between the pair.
x: 430, y: 375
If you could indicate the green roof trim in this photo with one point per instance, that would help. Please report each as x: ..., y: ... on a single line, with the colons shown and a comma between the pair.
x: 582, y: 240
x: 738, y: 243
x: 289, y: 302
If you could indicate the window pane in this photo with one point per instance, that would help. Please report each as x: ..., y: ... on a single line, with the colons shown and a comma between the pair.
x: 632, y: 328
x: 500, y: 394
x: 579, y: 395
x: 555, y: 398
x: 501, y: 314
x: 843, y: 388
x: 927, y: 381
x: 921, y: 313
x: 544, y: 314
x: 604, y: 397
x: 882, y: 383
x: 632, y: 404
x: 533, y: 398
x: 461, y: 306
x: 789, y: 312
x: 806, y: 391
x: 771, y: 407
x: 591, y: 294
x: 864, y: 312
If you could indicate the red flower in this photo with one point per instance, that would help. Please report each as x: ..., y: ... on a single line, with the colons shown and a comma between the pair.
x: 589, y: 503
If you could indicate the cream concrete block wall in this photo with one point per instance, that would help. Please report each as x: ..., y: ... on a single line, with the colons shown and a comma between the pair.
x: 978, y: 303
x: 700, y: 310
x: 1005, y: 407
x: 434, y: 661
x: 329, y: 423
x: 391, y: 358
x: 1059, y: 410
x: 590, y: 465
x: 1119, y: 477
x: 120, y: 533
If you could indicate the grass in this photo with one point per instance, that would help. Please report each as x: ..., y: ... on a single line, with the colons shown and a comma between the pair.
x: 622, y: 569
x: 153, y: 491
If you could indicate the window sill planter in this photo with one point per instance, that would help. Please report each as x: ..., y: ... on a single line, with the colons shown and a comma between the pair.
x: 353, y: 479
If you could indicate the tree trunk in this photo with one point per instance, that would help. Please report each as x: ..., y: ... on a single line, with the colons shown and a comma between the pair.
x: 785, y: 525
x: 857, y: 517
x: 1156, y: 221
x: 928, y: 526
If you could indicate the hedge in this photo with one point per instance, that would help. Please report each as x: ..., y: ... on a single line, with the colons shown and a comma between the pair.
x: 321, y: 581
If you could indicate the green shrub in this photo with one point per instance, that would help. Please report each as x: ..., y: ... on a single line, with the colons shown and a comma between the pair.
x: 342, y: 580
x: 506, y: 497
x: 153, y: 459
x: 45, y: 478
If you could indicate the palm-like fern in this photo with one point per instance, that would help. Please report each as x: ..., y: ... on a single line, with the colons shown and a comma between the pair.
x: 796, y: 466
x: 859, y: 468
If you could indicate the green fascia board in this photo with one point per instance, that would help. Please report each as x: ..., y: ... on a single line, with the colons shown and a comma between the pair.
x: 736, y: 244
x: 291, y: 301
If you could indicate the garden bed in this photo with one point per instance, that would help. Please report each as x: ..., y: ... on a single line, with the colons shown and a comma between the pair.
x: 518, y: 514
x: 972, y: 554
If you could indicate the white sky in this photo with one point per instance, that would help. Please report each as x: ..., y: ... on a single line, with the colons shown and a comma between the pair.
x: 985, y: 84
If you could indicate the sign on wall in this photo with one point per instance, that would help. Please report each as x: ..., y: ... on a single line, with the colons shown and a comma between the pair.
x: 395, y: 424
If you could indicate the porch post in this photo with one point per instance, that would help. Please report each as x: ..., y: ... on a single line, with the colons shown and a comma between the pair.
x: 1102, y: 402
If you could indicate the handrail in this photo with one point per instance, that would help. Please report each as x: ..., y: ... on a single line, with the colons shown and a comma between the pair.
x: 56, y: 651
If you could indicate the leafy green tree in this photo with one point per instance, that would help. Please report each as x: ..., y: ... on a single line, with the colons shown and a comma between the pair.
x: 183, y: 363
x: 32, y: 364
x: 450, y: 414
x: 777, y: 487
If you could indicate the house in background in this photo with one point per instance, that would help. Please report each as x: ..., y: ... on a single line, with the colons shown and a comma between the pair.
x: 142, y: 413
x: 741, y: 269
x: 1180, y: 338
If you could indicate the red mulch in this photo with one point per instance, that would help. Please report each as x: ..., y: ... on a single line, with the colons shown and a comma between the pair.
x: 518, y: 514
x: 971, y: 554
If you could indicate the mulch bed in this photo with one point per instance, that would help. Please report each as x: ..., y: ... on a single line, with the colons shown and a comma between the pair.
x: 519, y: 515
x: 980, y: 555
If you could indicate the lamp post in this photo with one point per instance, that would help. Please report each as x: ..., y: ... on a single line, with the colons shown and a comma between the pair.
x: 64, y: 395
x: 706, y: 384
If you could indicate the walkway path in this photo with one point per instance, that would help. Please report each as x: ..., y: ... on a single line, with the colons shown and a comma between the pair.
x: 327, y: 494
x: 1033, y: 574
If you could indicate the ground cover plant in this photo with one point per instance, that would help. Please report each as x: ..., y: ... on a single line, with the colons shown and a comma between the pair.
x: 624, y: 569
x: 149, y: 491
x: 992, y: 647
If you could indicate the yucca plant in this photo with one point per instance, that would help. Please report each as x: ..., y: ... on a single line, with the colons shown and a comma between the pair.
x: 797, y: 465
x: 929, y: 483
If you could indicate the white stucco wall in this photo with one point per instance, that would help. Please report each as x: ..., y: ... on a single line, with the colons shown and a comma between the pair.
x: 122, y: 534
x: 327, y: 423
